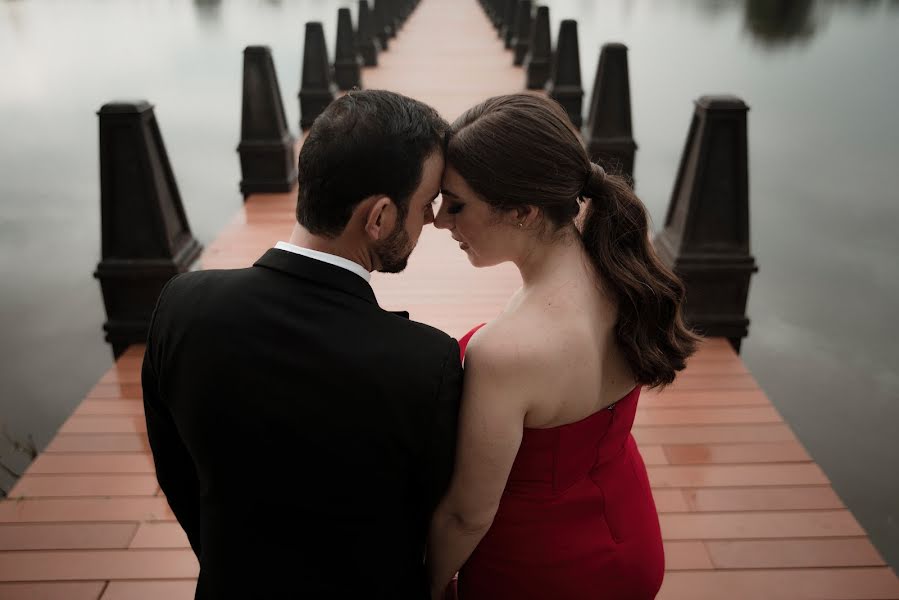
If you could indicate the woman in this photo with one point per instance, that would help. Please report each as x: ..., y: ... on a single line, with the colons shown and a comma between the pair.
x: 550, y: 497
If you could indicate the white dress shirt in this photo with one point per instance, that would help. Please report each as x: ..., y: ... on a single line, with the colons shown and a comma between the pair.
x: 331, y: 259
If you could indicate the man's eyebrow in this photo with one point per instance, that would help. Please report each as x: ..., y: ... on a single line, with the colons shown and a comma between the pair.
x: 447, y: 192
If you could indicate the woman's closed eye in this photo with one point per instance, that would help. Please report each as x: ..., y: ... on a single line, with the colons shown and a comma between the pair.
x: 454, y: 208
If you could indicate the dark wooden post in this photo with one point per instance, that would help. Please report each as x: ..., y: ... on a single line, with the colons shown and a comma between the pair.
x: 386, y: 8
x: 500, y: 16
x: 522, y: 39
x: 497, y: 14
x: 391, y: 11
x: 537, y: 61
x: 608, y: 131
x: 565, y: 81
x: 382, y: 29
x: 317, y: 90
x: 706, y: 234
x: 489, y: 7
x: 267, y: 158
x: 405, y: 9
x: 347, y: 63
x: 508, y: 28
x: 366, y: 42
x: 146, y: 239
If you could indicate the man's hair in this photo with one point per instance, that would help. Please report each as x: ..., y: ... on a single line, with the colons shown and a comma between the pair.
x: 368, y: 142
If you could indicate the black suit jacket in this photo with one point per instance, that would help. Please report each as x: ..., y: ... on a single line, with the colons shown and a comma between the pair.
x: 302, y: 434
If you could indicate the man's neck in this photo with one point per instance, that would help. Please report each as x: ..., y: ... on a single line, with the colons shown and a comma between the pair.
x: 337, y: 246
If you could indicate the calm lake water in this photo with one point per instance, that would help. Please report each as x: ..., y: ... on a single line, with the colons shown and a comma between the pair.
x: 821, y: 78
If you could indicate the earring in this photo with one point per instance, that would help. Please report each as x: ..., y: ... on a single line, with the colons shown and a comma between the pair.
x: 521, y: 224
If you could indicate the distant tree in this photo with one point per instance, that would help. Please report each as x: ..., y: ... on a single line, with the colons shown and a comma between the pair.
x: 776, y: 23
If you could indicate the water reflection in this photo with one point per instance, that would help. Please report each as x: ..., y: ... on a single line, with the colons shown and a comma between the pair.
x: 775, y: 23
x: 860, y: 6
x: 716, y: 8
x: 209, y: 11
x: 15, y: 16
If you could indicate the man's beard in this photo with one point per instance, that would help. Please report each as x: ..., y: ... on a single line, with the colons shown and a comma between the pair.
x: 393, y: 253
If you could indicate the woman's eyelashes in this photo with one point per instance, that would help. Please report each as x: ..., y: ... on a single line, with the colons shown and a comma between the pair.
x: 454, y: 208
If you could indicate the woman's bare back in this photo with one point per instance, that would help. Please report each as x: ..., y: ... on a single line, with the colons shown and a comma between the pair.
x: 563, y: 330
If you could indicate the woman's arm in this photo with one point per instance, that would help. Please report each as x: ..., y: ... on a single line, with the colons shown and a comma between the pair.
x: 490, y: 429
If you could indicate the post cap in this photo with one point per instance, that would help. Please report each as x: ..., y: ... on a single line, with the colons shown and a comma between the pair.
x: 123, y: 107
x: 721, y: 102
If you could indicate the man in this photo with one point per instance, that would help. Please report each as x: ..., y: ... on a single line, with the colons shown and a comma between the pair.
x: 302, y: 434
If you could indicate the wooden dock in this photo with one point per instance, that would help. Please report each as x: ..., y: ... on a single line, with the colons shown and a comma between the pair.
x: 745, y: 512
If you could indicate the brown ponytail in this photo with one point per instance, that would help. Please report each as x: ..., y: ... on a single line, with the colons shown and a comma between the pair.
x: 650, y: 327
x: 521, y: 150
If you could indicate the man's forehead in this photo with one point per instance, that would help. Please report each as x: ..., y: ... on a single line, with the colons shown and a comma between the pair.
x: 438, y: 159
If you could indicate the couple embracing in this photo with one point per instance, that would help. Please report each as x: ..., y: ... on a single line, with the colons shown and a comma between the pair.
x: 314, y: 445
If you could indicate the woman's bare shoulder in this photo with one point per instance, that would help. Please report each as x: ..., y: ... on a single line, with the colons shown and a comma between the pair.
x: 512, y: 341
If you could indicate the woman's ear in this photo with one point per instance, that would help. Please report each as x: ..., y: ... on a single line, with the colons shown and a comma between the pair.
x: 380, y: 218
x: 526, y: 215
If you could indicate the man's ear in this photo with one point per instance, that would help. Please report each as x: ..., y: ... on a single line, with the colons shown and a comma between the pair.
x: 380, y: 218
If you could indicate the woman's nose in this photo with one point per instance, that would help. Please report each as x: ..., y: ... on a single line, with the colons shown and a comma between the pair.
x: 443, y: 220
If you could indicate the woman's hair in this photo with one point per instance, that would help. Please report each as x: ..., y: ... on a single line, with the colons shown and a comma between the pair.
x: 521, y: 150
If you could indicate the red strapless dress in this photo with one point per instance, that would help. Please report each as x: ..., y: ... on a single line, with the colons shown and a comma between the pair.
x: 576, y: 520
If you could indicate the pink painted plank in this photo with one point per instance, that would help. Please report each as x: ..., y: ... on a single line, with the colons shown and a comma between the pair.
x: 116, y: 390
x: 707, y: 416
x: 818, y: 497
x: 653, y: 455
x: 90, y: 565
x: 792, y: 524
x: 671, y: 500
x: 104, y: 425
x: 774, y: 452
x: 160, y: 535
x: 150, y: 590
x: 154, y: 508
x: 701, y: 398
x: 48, y: 464
x: 681, y: 556
x: 110, y: 407
x: 782, y: 584
x: 724, y: 365
x: 714, y: 382
x: 60, y: 536
x: 41, y: 486
x: 779, y: 554
x: 713, y: 434
x: 736, y: 475
x: 52, y: 590
x: 98, y: 442
x: 128, y: 372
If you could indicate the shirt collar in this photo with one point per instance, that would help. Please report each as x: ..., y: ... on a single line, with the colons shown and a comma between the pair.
x: 337, y: 261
